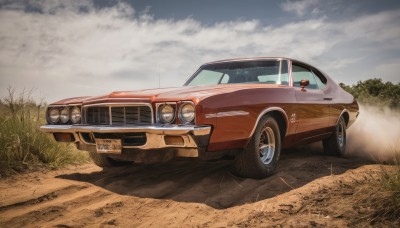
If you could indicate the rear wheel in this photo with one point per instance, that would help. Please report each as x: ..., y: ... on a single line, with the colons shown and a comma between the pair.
x: 259, y: 158
x: 335, y: 145
x: 103, y: 160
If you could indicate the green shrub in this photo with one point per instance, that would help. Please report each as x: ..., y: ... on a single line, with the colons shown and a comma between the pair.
x: 375, y: 92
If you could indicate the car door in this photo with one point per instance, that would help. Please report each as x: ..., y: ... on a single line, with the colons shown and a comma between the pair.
x: 312, y: 112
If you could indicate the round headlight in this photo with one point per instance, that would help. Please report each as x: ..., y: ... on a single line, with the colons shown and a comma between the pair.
x: 76, y: 115
x: 64, y: 115
x: 167, y: 113
x: 54, y: 115
x: 187, y: 113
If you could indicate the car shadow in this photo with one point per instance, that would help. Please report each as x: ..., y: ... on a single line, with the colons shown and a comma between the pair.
x: 213, y: 182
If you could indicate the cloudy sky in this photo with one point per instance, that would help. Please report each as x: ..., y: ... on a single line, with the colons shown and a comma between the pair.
x: 64, y: 48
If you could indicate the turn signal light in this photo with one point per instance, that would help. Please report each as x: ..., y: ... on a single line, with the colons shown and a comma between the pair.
x: 64, y: 137
x: 174, y: 140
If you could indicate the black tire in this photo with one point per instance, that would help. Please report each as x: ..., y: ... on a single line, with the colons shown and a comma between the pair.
x: 335, y: 145
x: 103, y: 160
x: 254, y: 162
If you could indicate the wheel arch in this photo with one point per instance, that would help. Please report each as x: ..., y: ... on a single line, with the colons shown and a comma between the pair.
x: 346, y: 117
x: 279, y: 115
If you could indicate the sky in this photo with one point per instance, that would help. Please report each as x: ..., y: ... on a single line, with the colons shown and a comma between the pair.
x: 69, y: 48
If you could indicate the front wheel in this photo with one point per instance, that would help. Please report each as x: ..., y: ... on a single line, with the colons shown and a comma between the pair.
x: 335, y: 145
x: 260, y: 156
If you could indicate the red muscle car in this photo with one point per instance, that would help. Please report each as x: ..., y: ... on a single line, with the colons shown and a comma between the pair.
x: 248, y: 109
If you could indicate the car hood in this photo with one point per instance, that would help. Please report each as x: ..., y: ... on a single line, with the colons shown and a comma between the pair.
x: 193, y: 93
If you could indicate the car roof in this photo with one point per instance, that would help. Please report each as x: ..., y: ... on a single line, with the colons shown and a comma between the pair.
x: 253, y: 59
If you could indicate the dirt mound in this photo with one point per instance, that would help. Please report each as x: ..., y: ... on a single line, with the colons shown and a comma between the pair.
x: 311, y: 188
x: 212, y: 183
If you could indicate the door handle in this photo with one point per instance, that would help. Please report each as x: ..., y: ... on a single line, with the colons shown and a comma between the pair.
x: 327, y: 98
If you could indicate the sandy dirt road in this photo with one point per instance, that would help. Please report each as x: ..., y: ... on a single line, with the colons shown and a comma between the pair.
x: 308, y: 189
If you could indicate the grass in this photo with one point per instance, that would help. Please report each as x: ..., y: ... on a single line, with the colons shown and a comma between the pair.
x: 22, y: 145
x: 387, y: 200
x: 382, y: 194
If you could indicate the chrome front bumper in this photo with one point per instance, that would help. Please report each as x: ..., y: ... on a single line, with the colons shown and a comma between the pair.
x: 193, y: 137
x: 153, y: 129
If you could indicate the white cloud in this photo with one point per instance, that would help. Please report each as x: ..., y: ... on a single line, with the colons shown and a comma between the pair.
x: 66, y: 52
x: 301, y: 7
x: 342, y: 63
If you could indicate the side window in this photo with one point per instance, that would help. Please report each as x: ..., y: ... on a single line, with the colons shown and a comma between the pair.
x: 301, y: 73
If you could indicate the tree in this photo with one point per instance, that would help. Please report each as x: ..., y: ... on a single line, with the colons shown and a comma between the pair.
x: 375, y: 91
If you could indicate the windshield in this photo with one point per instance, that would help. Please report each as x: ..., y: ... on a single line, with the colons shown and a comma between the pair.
x: 252, y: 72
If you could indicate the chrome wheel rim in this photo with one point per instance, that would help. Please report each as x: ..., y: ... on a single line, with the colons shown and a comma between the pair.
x: 267, y: 145
x: 340, y: 135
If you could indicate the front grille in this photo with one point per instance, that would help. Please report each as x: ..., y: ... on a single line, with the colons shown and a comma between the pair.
x: 100, y: 115
x: 97, y: 115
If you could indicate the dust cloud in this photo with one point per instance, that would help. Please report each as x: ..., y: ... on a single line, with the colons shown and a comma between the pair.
x: 375, y: 135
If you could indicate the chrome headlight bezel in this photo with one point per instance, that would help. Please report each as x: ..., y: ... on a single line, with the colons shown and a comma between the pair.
x: 183, y: 114
x: 76, y: 115
x: 64, y: 115
x: 53, y: 115
x: 162, y: 115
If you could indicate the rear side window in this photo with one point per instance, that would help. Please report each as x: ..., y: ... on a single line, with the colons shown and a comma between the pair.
x: 321, y: 80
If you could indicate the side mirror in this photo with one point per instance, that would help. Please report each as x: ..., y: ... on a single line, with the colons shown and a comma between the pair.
x: 304, y: 83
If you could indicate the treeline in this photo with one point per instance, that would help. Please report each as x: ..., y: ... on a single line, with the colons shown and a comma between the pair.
x: 375, y: 92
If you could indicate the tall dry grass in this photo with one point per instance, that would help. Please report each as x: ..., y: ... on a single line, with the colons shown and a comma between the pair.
x: 22, y: 145
x: 390, y: 181
x: 381, y: 195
